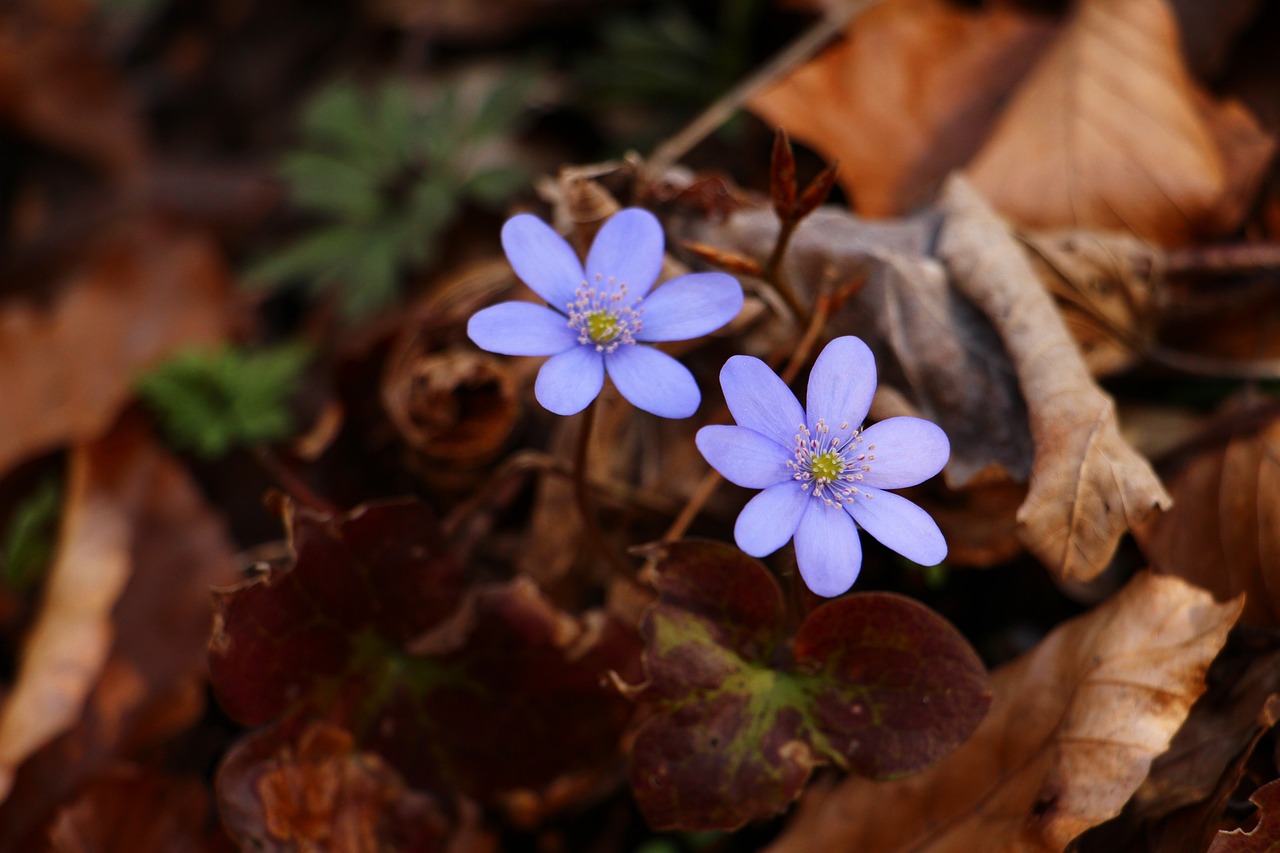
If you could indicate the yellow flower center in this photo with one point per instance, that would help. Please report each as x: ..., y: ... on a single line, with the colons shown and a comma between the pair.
x: 602, y: 326
x: 826, y: 467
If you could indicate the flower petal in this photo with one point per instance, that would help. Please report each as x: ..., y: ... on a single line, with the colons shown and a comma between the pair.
x: 542, y: 259
x: 907, y: 451
x: 568, y: 382
x: 745, y: 457
x: 759, y: 400
x: 899, y: 524
x: 770, y: 519
x: 653, y: 381
x: 842, y: 383
x: 628, y: 249
x: 828, y: 552
x: 521, y: 328
x: 690, y: 306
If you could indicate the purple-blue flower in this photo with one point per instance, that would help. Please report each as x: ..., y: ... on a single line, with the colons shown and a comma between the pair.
x: 820, y: 470
x: 599, y: 316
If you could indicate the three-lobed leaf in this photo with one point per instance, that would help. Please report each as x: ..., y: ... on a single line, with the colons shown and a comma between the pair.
x: 736, y: 714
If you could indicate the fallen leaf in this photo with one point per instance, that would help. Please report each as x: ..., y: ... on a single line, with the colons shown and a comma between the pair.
x: 906, y: 96
x: 1072, y: 731
x: 59, y: 87
x: 323, y: 793
x: 1105, y: 132
x: 141, y: 811
x: 115, y: 661
x: 735, y: 714
x: 142, y: 294
x: 478, y: 690
x: 1263, y: 838
x: 1088, y: 485
x: 1223, y: 532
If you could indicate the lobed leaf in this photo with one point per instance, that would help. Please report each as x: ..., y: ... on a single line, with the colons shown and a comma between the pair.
x: 738, y: 714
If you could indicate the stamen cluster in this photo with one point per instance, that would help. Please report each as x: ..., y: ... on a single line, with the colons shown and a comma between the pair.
x: 829, y: 464
x: 601, y: 316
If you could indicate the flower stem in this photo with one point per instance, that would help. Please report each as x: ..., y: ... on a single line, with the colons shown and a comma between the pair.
x: 778, y: 281
x: 581, y: 493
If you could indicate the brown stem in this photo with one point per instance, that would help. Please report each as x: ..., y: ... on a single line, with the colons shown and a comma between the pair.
x: 292, y: 484
x: 711, y: 481
x: 778, y: 281
x: 582, y: 495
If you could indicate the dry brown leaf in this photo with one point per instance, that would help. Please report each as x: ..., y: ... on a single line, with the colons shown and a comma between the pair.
x: 1088, y: 485
x: 1223, y: 532
x: 906, y: 96
x: 66, y: 372
x: 116, y: 659
x: 1105, y: 132
x: 1072, y: 731
x: 1105, y: 285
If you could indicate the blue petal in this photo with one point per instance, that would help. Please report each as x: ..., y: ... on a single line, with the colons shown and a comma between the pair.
x: 842, y: 383
x: 653, y: 381
x: 907, y: 451
x: 759, y: 400
x: 521, y: 328
x: 745, y: 457
x: 690, y: 306
x: 542, y: 259
x: 770, y: 519
x: 628, y: 249
x: 568, y: 382
x: 828, y: 552
x: 899, y: 524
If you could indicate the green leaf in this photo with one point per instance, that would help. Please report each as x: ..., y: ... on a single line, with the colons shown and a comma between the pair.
x: 315, y: 258
x: 212, y: 401
x: 327, y: 184
x: 494, y: 187
x: 736, y: 714
x: 29, y: 539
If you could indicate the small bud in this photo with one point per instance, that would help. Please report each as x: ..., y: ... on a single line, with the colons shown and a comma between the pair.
x: 815, y: 195
x: 782, y: 177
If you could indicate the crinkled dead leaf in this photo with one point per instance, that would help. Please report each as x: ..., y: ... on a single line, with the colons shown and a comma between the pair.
x: 140, y: 811
x: 484, y: 690
x: 1104, y: 284
x: 736, y: 714
x: 1072, y: 731
x: 115, y: 662
x: 1106, y: 133
x: 142, y: 294
x: 1263, y: 838
x: 1088, y: 485
x: 906, y: 96
x: 323, y: 793
x: 1223, y: 532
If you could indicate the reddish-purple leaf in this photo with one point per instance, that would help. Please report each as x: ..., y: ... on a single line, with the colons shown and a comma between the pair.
x: 738, y: 714
x: 481, y: 690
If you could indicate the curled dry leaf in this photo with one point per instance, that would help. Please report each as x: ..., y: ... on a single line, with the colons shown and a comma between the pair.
x: 323, y: 793
x: 1263, y: 838
x: 1088, y: 485
x: 142, y: 294
x: 1106, y: 132
x: 115, y: 661
x: 1072, y: 731
x: 1223, y: 532
x: 906, y: 96
x: 456, y: 406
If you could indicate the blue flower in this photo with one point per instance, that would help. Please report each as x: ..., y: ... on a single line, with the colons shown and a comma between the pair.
x: 599, y: 315
x: 820, y: 470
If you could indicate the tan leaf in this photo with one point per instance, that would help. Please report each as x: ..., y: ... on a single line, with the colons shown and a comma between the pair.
x: 906, y: 96
x: 1071, y: 733
x: 66, y: 372
x: 1088, y: 485
x: 1223, y: 532
x: 1105, y: 132
x: 115, y: 661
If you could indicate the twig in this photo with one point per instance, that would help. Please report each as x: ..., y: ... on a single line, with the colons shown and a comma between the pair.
x: 1224, y: 260
x: 670, y: 152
